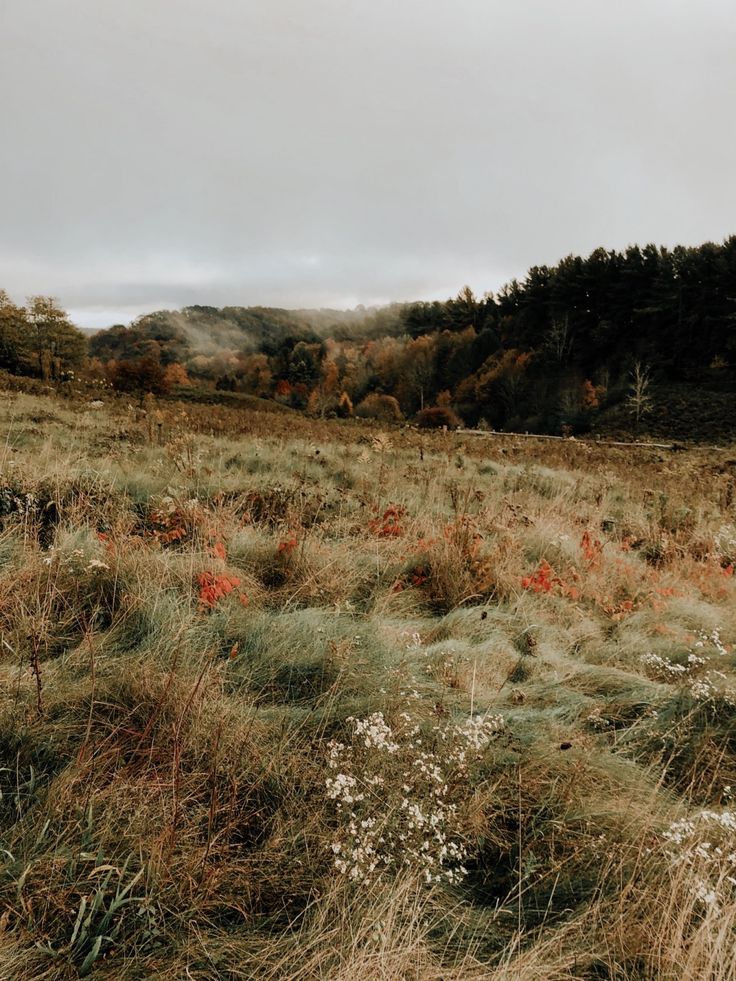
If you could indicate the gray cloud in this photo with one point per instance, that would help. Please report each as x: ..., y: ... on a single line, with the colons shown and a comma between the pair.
x: 165, y: 152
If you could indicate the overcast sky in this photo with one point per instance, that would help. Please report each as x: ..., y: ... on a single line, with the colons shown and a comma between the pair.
x: 331, y: 152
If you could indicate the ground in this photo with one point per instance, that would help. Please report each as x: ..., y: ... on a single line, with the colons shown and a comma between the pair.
x: 293, y: 699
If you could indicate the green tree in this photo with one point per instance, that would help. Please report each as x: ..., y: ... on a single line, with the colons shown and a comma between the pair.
x: 13, y: 335
x: 55, y: 345
x: 304, y: 364
x: 464, y: 311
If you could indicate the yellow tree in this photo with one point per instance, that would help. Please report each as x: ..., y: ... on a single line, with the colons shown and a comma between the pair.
x: 326, y: 392
x: 419, y: 367
x: 256, y: 374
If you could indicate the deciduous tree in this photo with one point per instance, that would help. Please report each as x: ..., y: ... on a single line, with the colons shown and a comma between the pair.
x: 56, y: 346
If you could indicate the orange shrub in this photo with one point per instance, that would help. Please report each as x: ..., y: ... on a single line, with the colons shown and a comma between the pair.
x: 212, y: 588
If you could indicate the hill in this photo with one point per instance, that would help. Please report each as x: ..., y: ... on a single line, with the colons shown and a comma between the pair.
x: 555, y: 352
x: 639, y: 342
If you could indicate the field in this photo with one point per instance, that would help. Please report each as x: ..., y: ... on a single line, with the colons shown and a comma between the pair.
x: 285, y: 699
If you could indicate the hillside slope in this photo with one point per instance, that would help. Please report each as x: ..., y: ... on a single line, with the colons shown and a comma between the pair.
x: 291, y: 699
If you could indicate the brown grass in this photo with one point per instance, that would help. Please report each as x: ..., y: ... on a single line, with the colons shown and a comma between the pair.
x: 163, y: 760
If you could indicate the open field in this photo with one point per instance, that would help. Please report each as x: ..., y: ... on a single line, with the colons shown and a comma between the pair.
x: 288, y: 699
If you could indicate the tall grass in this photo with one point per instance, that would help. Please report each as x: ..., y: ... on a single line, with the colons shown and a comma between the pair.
x: 194, y: 621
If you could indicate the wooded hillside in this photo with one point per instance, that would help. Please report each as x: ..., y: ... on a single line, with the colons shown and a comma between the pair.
x: 611, y: 336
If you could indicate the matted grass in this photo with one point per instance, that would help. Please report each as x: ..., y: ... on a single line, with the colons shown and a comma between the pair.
x: 194, y: 621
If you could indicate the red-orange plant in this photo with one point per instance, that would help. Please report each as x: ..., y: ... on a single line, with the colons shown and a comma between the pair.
x: 109, y: 544
x: 218, y: 551
x: 212, y: 588
x: 543, y: 580
x: 170, y: 526
x: 617, y: 611
x: 389, y: 525
x: 592, y: 549
x: 417, y: 576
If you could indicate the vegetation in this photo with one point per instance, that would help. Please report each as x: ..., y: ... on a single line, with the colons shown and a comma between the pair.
x: 39, y: 339
x: 624, y: 343
x: 284, y: 698
x: 554, y: 353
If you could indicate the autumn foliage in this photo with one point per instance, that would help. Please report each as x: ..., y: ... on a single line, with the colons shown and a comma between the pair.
x: 542, y: 580
x: 213, y: 587
x: 389, y: 524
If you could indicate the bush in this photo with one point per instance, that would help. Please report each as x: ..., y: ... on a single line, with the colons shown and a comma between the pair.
x: 437, y: 417
x: 384, y: 408
x: 144, y: 374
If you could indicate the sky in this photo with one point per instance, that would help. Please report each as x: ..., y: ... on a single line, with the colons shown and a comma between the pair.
x: 307, y: 153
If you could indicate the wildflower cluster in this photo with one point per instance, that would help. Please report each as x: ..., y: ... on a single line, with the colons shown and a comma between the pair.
x: 447, y: 667
x: 665, y: 669
x: 702, y: 686
x: 706, y: 844
x: 725, y: 545
x: 714, y: 638
x: 396, y: 792
x: 713, y: 685
x: 77, y: 561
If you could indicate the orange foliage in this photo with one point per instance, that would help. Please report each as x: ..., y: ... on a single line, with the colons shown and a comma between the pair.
x: 592, y: 549
x: 175, y: 375
x: 541, y: 581
x: 544, y: 580
x: 217, y: 551
x: 212, y: 588
x: 389, y: 525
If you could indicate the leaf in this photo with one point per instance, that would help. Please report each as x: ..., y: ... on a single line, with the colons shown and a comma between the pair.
x: 91, y: 957
x: 104, y: 868
x: 78, y: 923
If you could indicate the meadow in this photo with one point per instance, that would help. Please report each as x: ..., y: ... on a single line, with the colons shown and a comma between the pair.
x: 292, y: 699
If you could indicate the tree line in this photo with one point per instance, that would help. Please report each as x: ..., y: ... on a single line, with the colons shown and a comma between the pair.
x: 546, y: 353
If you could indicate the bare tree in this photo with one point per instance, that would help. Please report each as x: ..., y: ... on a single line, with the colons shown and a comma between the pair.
x: 639, y: 399
x: 559, y: 339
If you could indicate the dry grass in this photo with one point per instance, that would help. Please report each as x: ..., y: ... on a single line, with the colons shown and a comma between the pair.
x: 164, y: 749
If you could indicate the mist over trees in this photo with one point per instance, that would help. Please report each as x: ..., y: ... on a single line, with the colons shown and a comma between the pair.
x: 547, y: 353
